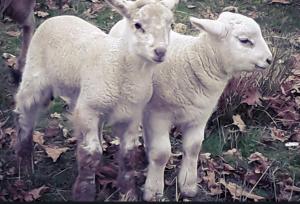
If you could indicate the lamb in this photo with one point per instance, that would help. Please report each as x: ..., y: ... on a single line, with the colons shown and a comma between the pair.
x: 187, y: 86
x: 106, y: 80
x: 22, y: 13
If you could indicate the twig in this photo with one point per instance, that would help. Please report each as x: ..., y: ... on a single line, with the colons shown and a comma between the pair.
x: 259, y: 180
x: 176, y: 190
x: 61, y: 172
x: 4, y: 122
x: 112, y: 194
x: 57, y: 191
x: 292, y: 188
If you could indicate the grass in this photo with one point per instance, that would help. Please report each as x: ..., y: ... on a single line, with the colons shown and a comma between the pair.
x: 281, y: 21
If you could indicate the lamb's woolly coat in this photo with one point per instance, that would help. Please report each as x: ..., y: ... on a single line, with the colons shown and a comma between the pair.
x: 107, y: 80
x: 187, y: 86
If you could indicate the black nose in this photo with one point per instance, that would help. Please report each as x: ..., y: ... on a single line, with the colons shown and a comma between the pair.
x: 160, y: 52
x: 269, y: 61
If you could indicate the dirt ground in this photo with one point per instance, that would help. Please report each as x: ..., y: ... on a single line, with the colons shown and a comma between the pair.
x: 251, y: 165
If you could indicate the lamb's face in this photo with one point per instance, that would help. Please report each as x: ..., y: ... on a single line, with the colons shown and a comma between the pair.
x: 239, y: 40
x: 248, y: 49
x: 150, y: 26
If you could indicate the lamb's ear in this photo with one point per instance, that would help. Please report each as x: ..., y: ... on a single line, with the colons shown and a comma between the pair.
x: 170, y: 3
x: 214, y: 27
x: 122, y: 6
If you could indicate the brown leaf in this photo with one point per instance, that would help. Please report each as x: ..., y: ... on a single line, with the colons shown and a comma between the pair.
x: 257, y: 156
x: 73, y: 140
x: 10, y: 60
x: 35, y: 194
x: 252, y: 97
x: 232, y: 152
x: 237, y: 120
x: 38, y: 137
x: 12, y: 133
x: 54, y: 152
x: 292, y: 188
x: 237, y: 191
x: 41, y: 14
x: 204, y: 156
x: 278, y: 134
x: 13, y: 33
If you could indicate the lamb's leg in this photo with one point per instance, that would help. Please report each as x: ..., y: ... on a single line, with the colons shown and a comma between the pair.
x: 128, y: 133
x: 192, y: 141
x: 156, y: 135
x: 27, y: 32
x: 89, y: 152
x: 28, y: 101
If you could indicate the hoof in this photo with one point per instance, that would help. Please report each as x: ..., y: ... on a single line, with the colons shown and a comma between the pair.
x: 84, y: 190
x: 152, y: 195
x: 189, y: 190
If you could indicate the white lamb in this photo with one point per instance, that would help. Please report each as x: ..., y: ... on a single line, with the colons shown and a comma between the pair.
x: 187, y: 87
x: 106, y: 79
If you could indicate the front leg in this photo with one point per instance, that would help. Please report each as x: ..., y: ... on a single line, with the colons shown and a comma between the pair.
x: 89, y: 152
x: 27, y: 32
x: 192, y: 141
x: 158, y: 147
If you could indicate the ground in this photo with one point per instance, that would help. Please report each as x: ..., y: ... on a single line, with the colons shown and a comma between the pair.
x: 246, y: 153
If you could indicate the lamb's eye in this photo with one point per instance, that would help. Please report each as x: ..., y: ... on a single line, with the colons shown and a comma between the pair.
x: 246, y: 41
x: 172, y: 25
x: 138, y: 26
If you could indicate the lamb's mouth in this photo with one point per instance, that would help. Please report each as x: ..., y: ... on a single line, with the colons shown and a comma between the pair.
x: 158, y: 59
x: 259, y: 67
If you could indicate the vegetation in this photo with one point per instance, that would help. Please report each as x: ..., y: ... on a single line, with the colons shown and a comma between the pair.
x: 251, y: 150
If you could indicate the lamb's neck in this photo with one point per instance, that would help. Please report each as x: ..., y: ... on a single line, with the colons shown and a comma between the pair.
x: 206, y: 64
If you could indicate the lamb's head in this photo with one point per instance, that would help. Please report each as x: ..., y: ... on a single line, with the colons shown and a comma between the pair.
x: 148, y: 25
x: 239, y: 41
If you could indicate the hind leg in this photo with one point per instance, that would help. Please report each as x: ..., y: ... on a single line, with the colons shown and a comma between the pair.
x: 128, y: 134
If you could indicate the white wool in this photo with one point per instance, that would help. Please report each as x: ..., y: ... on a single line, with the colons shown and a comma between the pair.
x: 187, y: 86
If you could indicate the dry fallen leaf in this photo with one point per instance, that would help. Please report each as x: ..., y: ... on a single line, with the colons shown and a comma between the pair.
x: 13, y: 33
x: 72, y: 140
x: 237, y: 120
x: 41, y: 14
x: 237, y: 191
x: 34, y: 194
x: 257, y: 156
x: 233, y: 9
x: 232, y: 152
x: 292, y: 188
x: 204, y: 156
x: 278, y: 134
x: 10, y: 59
x: 12, y: 133
x: 54, y: 152
x: 115, y: 141
x: 252, y: 97
x: 38, y: 137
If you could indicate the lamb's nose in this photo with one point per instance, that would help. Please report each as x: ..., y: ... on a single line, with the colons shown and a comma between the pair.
x: 269, y: 61
x: 160, y: 52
